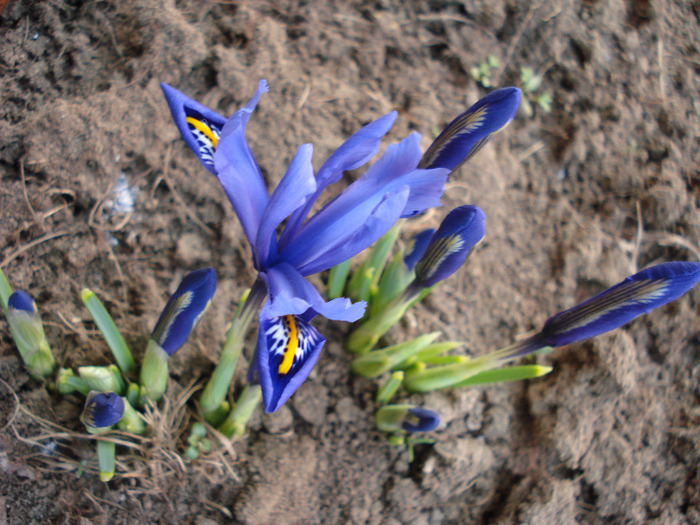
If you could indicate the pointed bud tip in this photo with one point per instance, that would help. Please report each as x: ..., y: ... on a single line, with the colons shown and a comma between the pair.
x: 21, y: 301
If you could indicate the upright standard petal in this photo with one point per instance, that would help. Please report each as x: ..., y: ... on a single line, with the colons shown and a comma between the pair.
x: 293, y: 191
x: 199, y: 126
x: 449, y: 246
x: 352, y: 154
x: 466, y: 134
x: 616, y: 306
x: 341, y: 218
x: 184, y: 309
x: 238, y: 171
x: 379, y: 221
x: 288, y: 348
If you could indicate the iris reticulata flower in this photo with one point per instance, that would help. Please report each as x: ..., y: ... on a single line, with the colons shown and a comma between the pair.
x: 392, y: 188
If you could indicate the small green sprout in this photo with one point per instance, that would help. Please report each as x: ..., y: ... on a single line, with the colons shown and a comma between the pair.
x: 530, y: 84
x: 482, y: 72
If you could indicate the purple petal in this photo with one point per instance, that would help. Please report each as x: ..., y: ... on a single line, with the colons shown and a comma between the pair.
x: 290, y: 293
x: 199, y: 126
x: 343, y: 217
x: 237, y: 170
x: 287, y: 350
x: 352, y: 154
x: 292, y: 192
x: 374, y: 226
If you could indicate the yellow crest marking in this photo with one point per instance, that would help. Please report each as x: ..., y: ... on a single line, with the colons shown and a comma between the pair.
x: 206, y: 130
x: 292, y: 344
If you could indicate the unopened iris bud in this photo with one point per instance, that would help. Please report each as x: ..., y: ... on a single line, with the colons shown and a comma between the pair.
x: 102, y: 410
x: 181, y: 314
x: 184, y: 309
x: 406, y: 418
x: 28, y: 332
x: 468, y: 133
x: 449, y: 246
x: 616, y: 306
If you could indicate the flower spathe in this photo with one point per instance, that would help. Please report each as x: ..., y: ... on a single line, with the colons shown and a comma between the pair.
x: 392, y: 188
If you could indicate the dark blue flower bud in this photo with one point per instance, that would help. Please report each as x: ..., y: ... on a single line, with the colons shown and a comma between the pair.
x: 102, y: 410
x: 449, y: 246
x: 184, y: 309
x: 406, y: 418
x: 636, y: 295
x: 467, y: 134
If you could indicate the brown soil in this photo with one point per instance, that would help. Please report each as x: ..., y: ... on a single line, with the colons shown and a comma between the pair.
x: 576, y: 199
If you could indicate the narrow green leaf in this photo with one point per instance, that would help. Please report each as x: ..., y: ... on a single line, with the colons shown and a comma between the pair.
x: 109, y: 330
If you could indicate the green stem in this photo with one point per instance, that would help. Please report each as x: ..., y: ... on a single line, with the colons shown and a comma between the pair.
x: 422, y: 379
x: 5, y: 291
x: 106, y: 452
x: 337, y: 277
x: 215, y: 391
x: 237, y: 421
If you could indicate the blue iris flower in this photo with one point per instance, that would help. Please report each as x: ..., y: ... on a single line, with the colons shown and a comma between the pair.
x: 392, y: 188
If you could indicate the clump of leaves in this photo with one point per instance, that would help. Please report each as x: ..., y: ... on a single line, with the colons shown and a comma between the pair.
x: 482, y: 72
x: 530, y: 83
